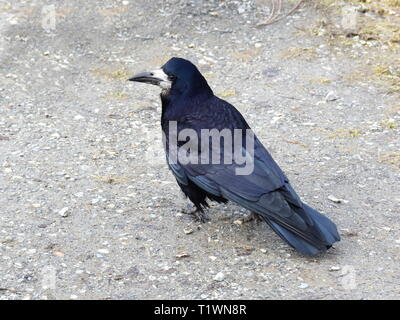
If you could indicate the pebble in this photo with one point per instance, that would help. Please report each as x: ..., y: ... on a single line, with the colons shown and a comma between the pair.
x: 182, y: 255
x: 103, y: 251
x: 271, y: 72
x: 219, y: 276
x: 331, y: 96
x: 64, y: 212
x: 79, y: 117
x: 303, y: 285
x: 336, y: 200
x: 334, y: 268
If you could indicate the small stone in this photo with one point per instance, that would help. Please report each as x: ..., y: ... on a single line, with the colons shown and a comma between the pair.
x: 103, y: 251
x: 303, y: 285
x: 213, y: 258
x: 238, y: 222
x: 188, y: 231
x: 58, y: 254
x: 64, y: 212
x: 271, y: 72
x: 331, y: 96
x: 334, y: 268
x: 219, y: 276
x: 182, y: 255
x: 263, y: 250
x: 336, y: 200
x: 191, y: 45
x: 79, y: 117
x: 152, y: 278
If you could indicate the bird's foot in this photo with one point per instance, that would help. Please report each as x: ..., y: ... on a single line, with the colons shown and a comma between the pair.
x: 196, y: 213
x: 252, y: 216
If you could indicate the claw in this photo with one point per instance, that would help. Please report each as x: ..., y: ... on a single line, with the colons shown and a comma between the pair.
x: 197, y: 214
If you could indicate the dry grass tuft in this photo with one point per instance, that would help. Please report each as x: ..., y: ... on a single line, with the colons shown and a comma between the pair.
x: 345, y: 133
x: 246, y: 55
x: 298, y: 53
x: 390, y: 158
x: 111, y: 74
x: 227, y: 93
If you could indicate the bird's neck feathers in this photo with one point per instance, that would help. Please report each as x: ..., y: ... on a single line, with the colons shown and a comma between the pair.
x: 176, y: 105
x: 185, y: 95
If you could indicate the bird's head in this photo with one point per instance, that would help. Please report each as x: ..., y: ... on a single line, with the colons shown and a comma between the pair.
x: 177, y: 76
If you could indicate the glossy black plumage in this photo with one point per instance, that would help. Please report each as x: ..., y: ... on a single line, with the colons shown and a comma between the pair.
x: 191, y: 104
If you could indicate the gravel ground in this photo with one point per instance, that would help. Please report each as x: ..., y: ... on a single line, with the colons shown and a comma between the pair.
x: 90, y: 210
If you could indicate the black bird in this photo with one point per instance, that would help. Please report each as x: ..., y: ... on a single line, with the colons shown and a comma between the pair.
x: 189, y: 104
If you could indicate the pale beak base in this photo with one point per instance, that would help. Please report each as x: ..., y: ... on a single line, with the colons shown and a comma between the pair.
x: 157, y: 77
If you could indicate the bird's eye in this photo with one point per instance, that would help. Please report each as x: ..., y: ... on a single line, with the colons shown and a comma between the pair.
x: 171, y: 77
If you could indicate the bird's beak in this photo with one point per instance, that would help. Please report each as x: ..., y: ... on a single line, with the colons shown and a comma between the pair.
x: 157, y: 77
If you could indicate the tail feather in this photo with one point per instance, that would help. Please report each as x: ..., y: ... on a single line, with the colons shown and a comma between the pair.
x: 320, y: 236
x: 326, y: 226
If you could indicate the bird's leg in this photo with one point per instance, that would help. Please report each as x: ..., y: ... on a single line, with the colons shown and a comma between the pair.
x: 252, y: 216
x: 196, y: 213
